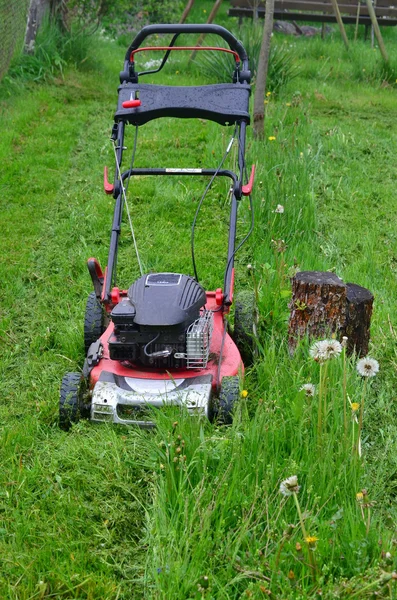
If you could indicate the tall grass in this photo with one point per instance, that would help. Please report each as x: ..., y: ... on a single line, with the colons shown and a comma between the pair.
x: 219, y: 65
x: 55, y: 48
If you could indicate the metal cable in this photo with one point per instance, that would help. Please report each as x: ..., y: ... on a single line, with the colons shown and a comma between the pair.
x: 124, y: 190
x: 203, y: 197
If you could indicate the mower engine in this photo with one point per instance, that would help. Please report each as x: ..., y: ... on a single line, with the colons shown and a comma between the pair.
x: 162, y: 323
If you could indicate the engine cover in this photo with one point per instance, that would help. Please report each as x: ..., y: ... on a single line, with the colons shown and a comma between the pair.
x: 150, y: 325
x: 166, y: 299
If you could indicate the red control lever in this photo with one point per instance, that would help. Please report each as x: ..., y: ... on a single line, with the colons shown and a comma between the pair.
x: 109, y: 187
x: 247, y: 189
x: 131, y: 103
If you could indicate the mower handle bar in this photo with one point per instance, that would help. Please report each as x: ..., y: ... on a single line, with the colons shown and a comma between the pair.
x: 233, y: 42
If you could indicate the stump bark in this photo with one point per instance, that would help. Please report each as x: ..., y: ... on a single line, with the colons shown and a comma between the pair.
x: 323, y: 305
x: 358, y: 318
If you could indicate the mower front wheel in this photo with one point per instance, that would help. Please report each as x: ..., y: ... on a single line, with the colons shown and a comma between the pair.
x: 94, y: 321
x: 228, y: 397
x: 72, y: 398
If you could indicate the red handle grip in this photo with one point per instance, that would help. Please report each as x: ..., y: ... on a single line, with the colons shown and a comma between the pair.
x: 247, y: 189
x: 109, y: 187
x: 131, y: 103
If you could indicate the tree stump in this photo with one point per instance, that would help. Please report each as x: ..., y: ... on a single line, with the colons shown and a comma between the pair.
x: 358, y: 318
x: 322, y: 305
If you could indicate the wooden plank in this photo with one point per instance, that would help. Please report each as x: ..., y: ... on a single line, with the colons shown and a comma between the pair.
x: 314, y: 17
x: 327, y: 7
x: 389, y: 4
x: 383, y: 7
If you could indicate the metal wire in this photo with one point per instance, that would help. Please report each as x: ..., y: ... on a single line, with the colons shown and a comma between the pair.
x: 203, y: 197
x: 124, y: 192
x: 13, y: 16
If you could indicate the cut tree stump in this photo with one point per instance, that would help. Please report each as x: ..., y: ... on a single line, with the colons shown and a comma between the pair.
x: 358, y: 318
x: 323, y: 305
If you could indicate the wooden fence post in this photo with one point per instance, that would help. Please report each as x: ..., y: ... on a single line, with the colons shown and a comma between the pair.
x: 340, y: 23
x: 210, y: 19
x: 186, y: 12
x: 378, y: 34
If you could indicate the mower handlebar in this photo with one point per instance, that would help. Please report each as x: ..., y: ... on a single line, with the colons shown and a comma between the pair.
x: 233, y: 42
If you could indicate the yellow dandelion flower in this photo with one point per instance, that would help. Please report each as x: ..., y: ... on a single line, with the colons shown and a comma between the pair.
x: 359, y: 496
x: 271, y: 138
x: 244, y: 394
x: 355, y: 406
x: 311, y: 540
x: 288, y: 104
x: 266, y: 102
x: 268, y: 94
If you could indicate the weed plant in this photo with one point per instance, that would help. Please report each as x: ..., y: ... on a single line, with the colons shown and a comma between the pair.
x: 55, y: 48
x: 219, y: 66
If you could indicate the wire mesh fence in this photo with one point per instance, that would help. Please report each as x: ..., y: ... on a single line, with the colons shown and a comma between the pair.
x: 13, y: 16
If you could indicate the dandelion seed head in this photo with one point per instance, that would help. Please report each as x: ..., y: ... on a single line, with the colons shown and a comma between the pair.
x: 334, y: 348
x: 367, y: 367
x: 289, y: 486
x: 325, y: 349
x: 309, y: 389
x: 318, y: 351
x: 153, y: 63
x: 344, y: 341
x: 279, y: 209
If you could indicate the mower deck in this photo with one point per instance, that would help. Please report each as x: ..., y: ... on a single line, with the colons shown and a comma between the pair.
x: 121, y: 393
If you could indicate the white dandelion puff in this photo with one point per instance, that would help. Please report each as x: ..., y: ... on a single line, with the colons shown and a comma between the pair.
x: 318, y: 351
x: 367, y: 367
x: 325, y: 349
x: 334, y: 348
x: 279, y: 209
x: 150, y: 64
x: 289, y: 486
x: 309, y: 389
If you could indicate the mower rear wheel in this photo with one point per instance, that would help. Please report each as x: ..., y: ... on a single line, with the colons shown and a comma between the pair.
x: 245, y: 325
x: 94, y: 321
x: 228, y: 397
x: 72, y: 398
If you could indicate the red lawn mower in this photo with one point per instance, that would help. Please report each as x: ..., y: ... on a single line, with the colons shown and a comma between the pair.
x: 165, y: 340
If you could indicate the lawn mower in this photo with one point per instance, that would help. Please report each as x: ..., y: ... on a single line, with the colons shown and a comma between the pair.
x: 165, y: 340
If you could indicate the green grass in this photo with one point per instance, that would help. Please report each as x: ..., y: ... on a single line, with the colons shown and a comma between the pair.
x: 106, y: 513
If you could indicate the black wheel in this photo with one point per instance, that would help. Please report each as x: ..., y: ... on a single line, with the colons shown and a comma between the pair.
x: 94, y: 321
x: 228, y: 397
x: 245, y: 325
x: 72, y: 399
